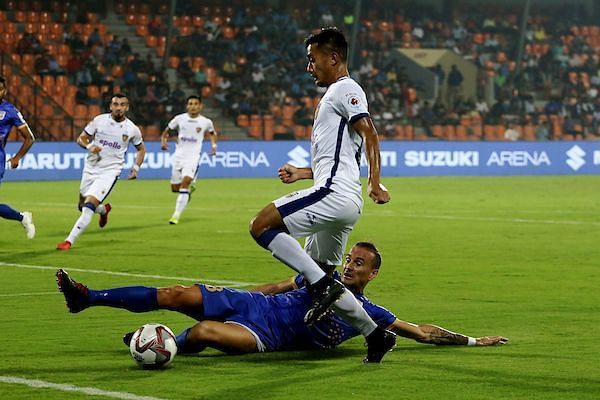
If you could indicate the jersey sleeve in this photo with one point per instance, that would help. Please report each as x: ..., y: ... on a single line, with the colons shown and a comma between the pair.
x: 173, y: 124
x: 382, y: 316
x: 351, y: 102
x: 137, y: 139
x: 91, y: 127
x: 299, y: 281
x: 210, y: 127
x: 17, y: 119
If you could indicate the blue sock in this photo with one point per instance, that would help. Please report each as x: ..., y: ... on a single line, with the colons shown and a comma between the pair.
x: 132, y: 298
x: 10, y: 213
x: 184, y: 346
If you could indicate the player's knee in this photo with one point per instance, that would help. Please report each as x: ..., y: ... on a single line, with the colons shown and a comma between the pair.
x: 203, y: 331
x: 173, y: 297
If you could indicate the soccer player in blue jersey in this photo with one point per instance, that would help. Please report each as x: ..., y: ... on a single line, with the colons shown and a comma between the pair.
x: 239, y: 321
x: 325, y: 214
x: 9, y: 117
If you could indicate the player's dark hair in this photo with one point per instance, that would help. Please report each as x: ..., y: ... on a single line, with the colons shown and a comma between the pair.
x: 119, y: 95
x: 371, y: 247
x: 193, y: 96
x: 2, y: 80
x: 331, y: 37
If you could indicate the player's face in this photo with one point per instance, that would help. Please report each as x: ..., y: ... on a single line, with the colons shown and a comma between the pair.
x: 358, y: 268
x: 2, y: 91
x: 118, y: 107
x: 194, y: 107
x: 319, y: 64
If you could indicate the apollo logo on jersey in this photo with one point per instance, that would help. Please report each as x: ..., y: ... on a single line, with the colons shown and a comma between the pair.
x: 113, y: 145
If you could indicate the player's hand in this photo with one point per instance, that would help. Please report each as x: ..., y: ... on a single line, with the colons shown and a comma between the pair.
x: 288, y: 173
x: 378, y: 193
x: 491, y: 340
x: 132, y: 175
x: 95, y: 149
x: 164, y: 146
x: 14, y: 162
x: 213, y: 152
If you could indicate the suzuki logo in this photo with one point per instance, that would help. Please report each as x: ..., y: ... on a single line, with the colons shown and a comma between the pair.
x: 576, y: 159
x: 298, y: 157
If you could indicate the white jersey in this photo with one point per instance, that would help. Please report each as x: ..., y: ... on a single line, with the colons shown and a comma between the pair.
x: 190, y: 134
x: 114, y: 138
x: 335, y: 147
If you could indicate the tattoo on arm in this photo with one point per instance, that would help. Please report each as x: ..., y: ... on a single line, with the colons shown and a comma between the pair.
x: 441, y: 337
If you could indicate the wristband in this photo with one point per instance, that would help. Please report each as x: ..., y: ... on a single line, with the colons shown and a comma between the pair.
x: 89, y: 145
x: 471, y: 341
x: 135, y: 167
x: 214, y: 145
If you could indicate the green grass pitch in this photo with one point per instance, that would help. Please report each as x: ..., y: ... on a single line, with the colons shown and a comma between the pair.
x: 512, y: 256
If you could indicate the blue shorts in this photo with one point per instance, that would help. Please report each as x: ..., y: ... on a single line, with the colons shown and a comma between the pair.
x: 252, y: 310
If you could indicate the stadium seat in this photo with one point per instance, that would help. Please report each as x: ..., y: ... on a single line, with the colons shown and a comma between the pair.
x: 151, y: 132
x: 269, y: 127
x: 256, y: 128
x: 242, y: 121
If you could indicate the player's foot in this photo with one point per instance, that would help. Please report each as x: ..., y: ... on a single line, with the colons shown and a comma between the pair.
x: 174, y: 220
x: 27, y: 223
x: 66, y: 245
x: 323, y: 299
x: 379, y: 342
x: 127, y: 338
x: 75, y: 293
x: 104, y: 217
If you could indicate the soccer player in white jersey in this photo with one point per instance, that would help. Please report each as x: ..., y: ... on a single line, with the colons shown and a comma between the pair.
x: 326, y: 213
x: 191, y: 129
x: 106, y: 138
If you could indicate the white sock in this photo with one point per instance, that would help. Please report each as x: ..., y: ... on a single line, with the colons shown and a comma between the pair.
x: 182, y: 201
x: 100, y: 209
x: 286, y: 249
x: 352, y: 312
x: 80, y: 225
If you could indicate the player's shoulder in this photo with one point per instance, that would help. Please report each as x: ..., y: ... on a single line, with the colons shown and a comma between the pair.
x: 346, y: 84
x: 105, y: 117
x: 8, y: 107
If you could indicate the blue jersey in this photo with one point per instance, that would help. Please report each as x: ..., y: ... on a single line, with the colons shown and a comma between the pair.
x: 9, y: 117
x: 279, y: 320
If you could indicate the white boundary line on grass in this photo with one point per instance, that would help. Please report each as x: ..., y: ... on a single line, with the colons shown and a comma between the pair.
x: 30, y: 294
x: 384, y: 213
x: 145, y: 276
x: 38, y: 384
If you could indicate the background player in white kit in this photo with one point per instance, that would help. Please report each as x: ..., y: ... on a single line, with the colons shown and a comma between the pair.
x: 326, y: 213
x: 191, y: 129
x: 107, y: 138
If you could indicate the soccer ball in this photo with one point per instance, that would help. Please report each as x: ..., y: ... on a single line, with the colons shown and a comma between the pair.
x: 153, y: 346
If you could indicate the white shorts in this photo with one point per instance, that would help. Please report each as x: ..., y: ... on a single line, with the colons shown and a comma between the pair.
x: 324, y: 217
x: 97, y: 185
x: 183, y: 168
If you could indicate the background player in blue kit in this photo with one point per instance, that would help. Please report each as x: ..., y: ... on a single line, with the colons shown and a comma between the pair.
x: 239, y: 321
x: 326, y: 213
x: 9, y: 117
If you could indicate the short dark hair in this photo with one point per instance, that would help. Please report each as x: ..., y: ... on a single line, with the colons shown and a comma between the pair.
x: 2, y: 79
x: 193, y: 96
x: 373, y: 249
x: 331, y: 37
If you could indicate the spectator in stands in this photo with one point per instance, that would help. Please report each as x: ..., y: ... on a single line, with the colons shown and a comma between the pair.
x: 303, y: 116
x: 455, y: 80
x: 94, y: 38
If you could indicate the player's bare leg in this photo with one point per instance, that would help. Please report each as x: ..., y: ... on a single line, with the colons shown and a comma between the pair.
x: 227, y: 337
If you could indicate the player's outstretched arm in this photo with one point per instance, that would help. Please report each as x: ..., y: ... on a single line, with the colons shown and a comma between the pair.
x: 376, y: 191
x: 139, y: 159
x: 432, y: 334
x: 164, y: 138
x: 28, y: 140
x: 289, y: 173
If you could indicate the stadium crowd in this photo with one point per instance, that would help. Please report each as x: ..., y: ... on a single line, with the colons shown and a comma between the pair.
x: 246, y: 61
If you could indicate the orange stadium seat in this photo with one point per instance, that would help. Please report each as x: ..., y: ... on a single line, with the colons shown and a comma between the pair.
x: 143, y: 19
x: 269, y: 127
x: 20, y: 16
x: 242, y: 121
x: 130, y: 19
x: 151, y: 41
x: 92, y: 111
x: 2, y: 16
x: 141, y: 30
x: 198, y: 21
x: 33, y: 17
x: 256, y: 129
